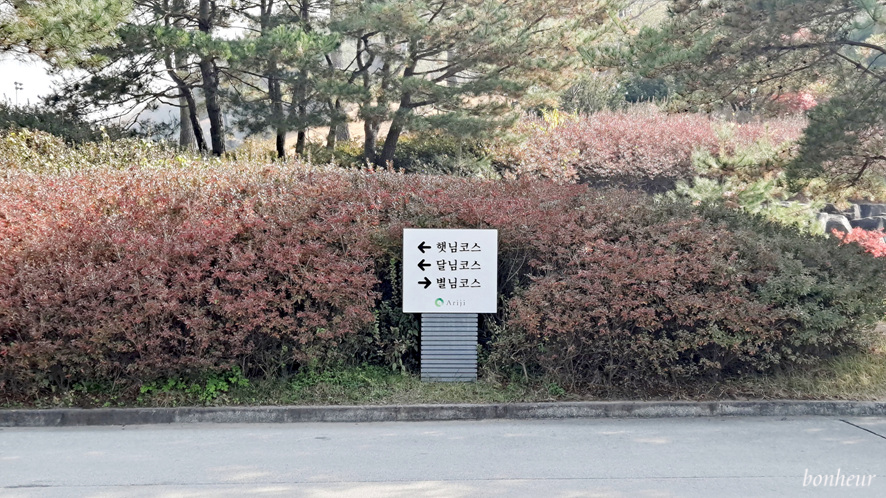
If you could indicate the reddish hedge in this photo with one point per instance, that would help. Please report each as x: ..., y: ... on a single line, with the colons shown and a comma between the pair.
x: 642, y: 148
x: 146, y: 273
x: 655, y: 293
x: 135, y: 274
x: 642, y: 300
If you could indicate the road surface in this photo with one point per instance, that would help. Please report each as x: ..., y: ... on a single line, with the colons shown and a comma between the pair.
x: 602, y: 457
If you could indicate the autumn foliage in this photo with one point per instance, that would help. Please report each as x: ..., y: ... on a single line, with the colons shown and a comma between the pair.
x: 145, y: 273
x: 643, y: 147
x: 872, y: 241
x: 654, y: 294
x: 133, y: 273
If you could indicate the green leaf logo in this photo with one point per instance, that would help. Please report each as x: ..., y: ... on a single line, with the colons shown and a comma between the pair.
x: 439, y: 302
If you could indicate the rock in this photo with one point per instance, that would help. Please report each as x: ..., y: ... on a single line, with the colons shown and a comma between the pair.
x: 871, y: 210
x: 831, y: 222
x: 831, y: 209
x: 869, y: 223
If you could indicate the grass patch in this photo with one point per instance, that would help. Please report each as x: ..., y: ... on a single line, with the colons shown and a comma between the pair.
x: 363, y: 385
x: 854, y: 376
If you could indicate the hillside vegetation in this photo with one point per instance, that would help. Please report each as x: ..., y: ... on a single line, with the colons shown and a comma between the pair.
x: 126, y: 266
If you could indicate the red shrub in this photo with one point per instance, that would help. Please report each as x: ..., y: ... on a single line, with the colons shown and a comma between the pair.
x: 643, y: 148
x: 872, y: 241
x: 148, y: 273
x: 794, y: 102
x: 129, y: 275
x: 637, y: 302
x: 645, y: 294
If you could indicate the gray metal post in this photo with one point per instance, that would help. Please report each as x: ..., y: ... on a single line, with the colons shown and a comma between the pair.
x: 449, y: 347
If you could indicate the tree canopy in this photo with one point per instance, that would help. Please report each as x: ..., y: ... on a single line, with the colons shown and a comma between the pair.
x: 748, y: 54
x: 59, y: 31
x: 289, y: 65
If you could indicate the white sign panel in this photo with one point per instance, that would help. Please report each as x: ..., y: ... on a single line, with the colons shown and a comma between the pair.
x: 450, y: 270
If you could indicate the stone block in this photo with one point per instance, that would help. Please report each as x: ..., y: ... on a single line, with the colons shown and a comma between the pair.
x: 869, y: 223
x: 830, y: 222
x: 871, y: 210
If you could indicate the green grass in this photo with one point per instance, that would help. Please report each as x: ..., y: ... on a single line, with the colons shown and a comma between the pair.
x: 369, y: 385
x: 856, y: 376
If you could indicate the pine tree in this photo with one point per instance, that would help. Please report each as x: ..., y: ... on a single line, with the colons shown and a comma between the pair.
x: 165, y: 51
x: 59, y: 31
x: 279, y: 72
x: 455, y: 65
x: 747, y: 54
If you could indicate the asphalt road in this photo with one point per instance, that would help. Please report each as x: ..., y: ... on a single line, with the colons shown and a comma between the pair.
x: 602, y: 457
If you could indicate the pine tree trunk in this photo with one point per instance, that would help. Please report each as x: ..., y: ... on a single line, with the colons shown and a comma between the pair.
x: 399, y: 121
x: 210, y: 91
x: 277, y: 107
x: 342, y: 132
x: 186, y: 129
x: 338, y: 127
x: 330, y: 138
x: 370, y: 129
x: 196, y: 129
x: 390, y: 146
x: 451, y: 57
x: 209, y: 73
x: 275, y: 93
x: 300, y: 112
x: 191, y: 133
x: 280, y: 144
x: 338, y: 130
x: 191, y: 122
x: 300, y: 92
x: 300, y: 141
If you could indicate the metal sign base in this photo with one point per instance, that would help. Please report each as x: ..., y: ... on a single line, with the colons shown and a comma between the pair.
x: 449, y: 347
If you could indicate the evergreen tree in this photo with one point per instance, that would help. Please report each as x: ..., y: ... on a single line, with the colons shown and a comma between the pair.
x: 454, y: 65
x: 59, y: 31
x: 211, y: 53
x: 166, y: 51
x: 751, y: 53
x: 280, y: 71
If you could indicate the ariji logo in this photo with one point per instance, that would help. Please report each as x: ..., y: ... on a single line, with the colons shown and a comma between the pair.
x: 439, y: 302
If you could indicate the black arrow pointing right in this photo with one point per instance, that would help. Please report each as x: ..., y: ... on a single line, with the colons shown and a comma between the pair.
x: 426, y: 282
x: 422, y: 265
x: 422, y: 247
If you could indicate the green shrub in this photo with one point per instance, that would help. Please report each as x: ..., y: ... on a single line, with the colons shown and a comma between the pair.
x: 593, y: 93
x: 751, y: 176
x: 346, y: 154
x: 438, y: 153
x: 41, y: 152
x: 638, y: 89
x: 69, y: 128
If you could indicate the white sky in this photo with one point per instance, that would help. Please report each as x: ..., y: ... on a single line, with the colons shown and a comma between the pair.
x: 32, y: 75
x: 37, y: 83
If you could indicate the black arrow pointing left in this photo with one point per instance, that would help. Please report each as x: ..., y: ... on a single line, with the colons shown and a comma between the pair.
x: 422, y: 265
x: 422, y: 247
x: 426, y: 282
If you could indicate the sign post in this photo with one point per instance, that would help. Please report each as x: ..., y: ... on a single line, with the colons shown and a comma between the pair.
x: 449, y: 276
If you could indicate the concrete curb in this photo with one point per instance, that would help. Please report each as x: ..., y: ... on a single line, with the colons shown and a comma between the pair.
x: 67, y: 417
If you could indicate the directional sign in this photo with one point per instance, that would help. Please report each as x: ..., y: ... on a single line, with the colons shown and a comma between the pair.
x: 450, y: 270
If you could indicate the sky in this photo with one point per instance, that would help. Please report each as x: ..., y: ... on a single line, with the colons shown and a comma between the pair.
x: 37, y: 83
x: 32, y: 75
